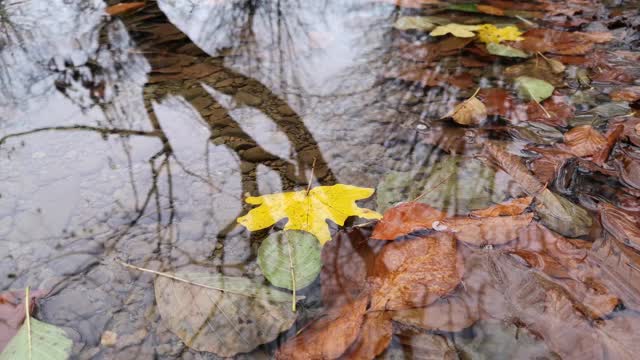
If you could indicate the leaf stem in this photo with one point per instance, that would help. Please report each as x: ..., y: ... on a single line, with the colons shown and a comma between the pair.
x: 27, y: 307
x: 313, y: 168
x: 293, y: 274
x: 475, y: 93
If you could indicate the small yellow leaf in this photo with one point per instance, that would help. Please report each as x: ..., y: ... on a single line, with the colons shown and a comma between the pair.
x: 488, y: 33
x: 469, y: 112
x: 308, y: 211
x: 457, y: 30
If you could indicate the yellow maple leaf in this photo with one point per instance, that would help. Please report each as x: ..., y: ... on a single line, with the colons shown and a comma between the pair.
x: 308, y: 211
x: 488, y: 33
x: 457, y: 30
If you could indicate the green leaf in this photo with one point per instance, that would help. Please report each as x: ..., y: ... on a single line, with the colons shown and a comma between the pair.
x: 533, y: 89
x: 504, y: 50
x: 470, y: 7
x: 37, y: 340
x: 414, y: 23
x: 290, y: 259
x: 221, y: 314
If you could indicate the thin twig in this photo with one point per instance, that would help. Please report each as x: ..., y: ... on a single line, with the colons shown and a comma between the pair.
x: 103, y: 131
x: 313, y: 168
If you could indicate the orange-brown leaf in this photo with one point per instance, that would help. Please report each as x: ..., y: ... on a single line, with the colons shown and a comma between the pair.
x: 123, y: 8
x: 624, y: 226
x: 415, y: 272
x: 559, y: 42
x: 485, y: 231
x: 328, y: 337
x: 584, y: 141
x: 452, y: 313
x: 508, y: 208
x: 630, y: 94
x: 558, y: 111
x: 405, y: 218
x: 374, y: 338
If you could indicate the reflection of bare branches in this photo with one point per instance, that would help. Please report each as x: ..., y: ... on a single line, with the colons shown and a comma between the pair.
x: 102, y: 131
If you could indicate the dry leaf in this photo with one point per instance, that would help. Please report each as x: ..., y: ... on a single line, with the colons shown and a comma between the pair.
x: 469, y: 112
x: 508, y: 208
x: 405, y: 218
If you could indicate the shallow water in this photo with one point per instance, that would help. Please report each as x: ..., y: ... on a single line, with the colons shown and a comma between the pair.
x: 136, y: 138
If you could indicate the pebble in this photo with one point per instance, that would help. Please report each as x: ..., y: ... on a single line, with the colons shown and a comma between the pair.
x: 109, y: 338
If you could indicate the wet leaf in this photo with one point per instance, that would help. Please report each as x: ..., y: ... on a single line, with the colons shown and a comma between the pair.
x: 508, y: 208
x: 12, y: 313
x: 489, y: 33
x: 469, y: 112
x: 556, y: 66
x: 421, y: 346
x: 562, y: 215
x: 222, y: 314
x: 628, y: 165
x: 329, y: 337
x: 374, y: 338
x: 37, y: 340
x: 451, y: 313
x: 457, y: 30
x: 505, y: 50
x: 625, y: 227
x: 404, y: 219
x: 498, y: 102
x: 538, y: 69
x: 629, y: 94
x: 415, y: 272
x: 290, y: 259
x: 414, y: 23
x: 560, y: 42
x: 584, y: 141
x: 555, y: 111
x: 485, y: 231
x: 308, y: 211
x: 493, y: 339
x: 124, y: 8
x: 533, y: 89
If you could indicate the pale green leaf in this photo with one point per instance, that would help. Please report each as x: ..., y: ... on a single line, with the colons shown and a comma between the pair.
x: 533, y: 89
x: 414, y: 23
x: 504, y: 50
x: 290, y: 259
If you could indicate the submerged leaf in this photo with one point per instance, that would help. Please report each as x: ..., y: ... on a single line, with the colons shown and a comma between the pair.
x: 485, y: 231
x: 561, y: 215
x: 375, y: 336
x: 308, y: 210
x: 533, y: 89
x: 37, y: 340
x: 584, y: 141
x: 290, y: 259
x: 623, y: 226
x: 508, y: 208
x: 414, y: 23
x: 405, y: 218
x: 222, y: 314
x: 457, y: 30
x: 504, y: 50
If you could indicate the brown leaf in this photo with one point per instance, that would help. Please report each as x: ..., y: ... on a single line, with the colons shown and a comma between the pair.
x: 613, y: 75
x: 613, y: 135
x: 419, y: 345
x: 513, y: 166
x: 469, y: 112
x: 508, y: 208
x: 629, y: 167
x: 12, y: 313
x: 491, y: 10
x: 452, y: 313
x: 329, y: 337
x: 498, y: 102
x: 558, y: 111
x: 405, y: 218
x: 624, y: 226
x: 631, y: 127
x: 429, y: 78
x: 629, y: 94
x: 537, y: 68
x: 546, y: 166
x: 415, y: 272
x: 559, y: 42
x: 347, y: 260
x: 123, y: 8
x: 584, y: 141
x: 375, y: 336
x: 485, y: 231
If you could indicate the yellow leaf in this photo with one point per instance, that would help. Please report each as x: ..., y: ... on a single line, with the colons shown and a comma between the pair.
x: 457, y: 30
x: 488, y: 33
x: 308, y: 211
x: 469, y: 112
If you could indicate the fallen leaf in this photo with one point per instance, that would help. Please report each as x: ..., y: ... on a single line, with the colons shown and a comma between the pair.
x: 505, y: 50
x: 429, y: 78
x: 12, y: 313
x: 485, y: 231
x: 414, y: 23
x: 533, y: 89
x: 221, y: 314
x: 457, y: 30
x: 612, y: 137
x: 557, y: 111
x: 421, y: 346
x: 628, y: 165
x: 498, y: 102
x: 629, y: 94
x: 508, y: 208
x: 415, y: 272
x: 535, y: 68
x: 556, y: 66
x: 489, y: 33
x: 329, y: 337
x: 37, y: 340
x: 404, y: 219
x: 625, y: 227
x: 308, y: 210
x: 290, y: 259
x: 559, y: 42
x: 613, y: 76
x: 513, y: 166
x: 123, y: 8
x: 491, y: 10
x: 469, y: 112
x: 452, y: 313
x: 375, y: 336
x: 584, y: 141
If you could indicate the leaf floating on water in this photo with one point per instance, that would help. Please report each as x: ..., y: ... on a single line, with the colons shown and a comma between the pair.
x: 405, y: 218
x: 290, y: 259
x: 221, y: 314
x: 505, y: 50
x: 124, y: 8
x: 457, y: 30
x: 414, y: 23
x: 308, y: 210
x: 533, y: 89
x: 37, y: 340
x: 469, y: 112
